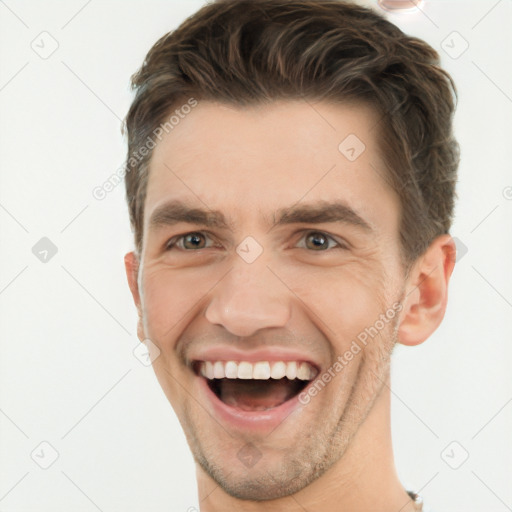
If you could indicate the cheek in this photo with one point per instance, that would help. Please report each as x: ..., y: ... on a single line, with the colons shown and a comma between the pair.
x: 347, y: 299
x: 169, y: 297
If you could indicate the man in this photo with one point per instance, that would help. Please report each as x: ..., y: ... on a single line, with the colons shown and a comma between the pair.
x: 290, y: 181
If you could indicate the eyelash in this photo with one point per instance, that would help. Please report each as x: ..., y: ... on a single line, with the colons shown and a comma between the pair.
x: 171, y: 244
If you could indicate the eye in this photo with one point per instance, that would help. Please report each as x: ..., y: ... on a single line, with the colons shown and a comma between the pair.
x: 189, y: 241
x: 313, y: 240
x: 319, y: 241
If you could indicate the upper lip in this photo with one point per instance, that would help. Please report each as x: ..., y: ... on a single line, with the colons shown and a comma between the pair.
x: 271, y: 354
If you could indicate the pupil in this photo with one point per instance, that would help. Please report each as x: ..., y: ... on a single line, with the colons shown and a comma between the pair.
x: 193, y: 240
x: 317, y: 240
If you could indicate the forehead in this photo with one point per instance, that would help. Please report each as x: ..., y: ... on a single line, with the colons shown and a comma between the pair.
x: 258, y: 159
x: 289, y: 129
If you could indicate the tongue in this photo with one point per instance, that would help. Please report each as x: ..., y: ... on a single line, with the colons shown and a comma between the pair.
x: 257, y: 395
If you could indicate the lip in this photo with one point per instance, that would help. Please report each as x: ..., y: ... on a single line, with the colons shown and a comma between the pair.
x: 263, y: 422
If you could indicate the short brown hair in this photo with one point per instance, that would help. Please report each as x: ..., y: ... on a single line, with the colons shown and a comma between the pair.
x: 246, y: 52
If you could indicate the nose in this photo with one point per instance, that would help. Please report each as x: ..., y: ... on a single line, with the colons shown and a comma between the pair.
x: 249, y: 298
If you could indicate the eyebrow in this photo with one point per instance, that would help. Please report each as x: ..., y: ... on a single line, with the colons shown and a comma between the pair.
x: 174, y: 212
x: 320, y: 212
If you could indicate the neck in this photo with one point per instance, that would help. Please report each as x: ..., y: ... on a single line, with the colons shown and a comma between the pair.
x: 363, y: 479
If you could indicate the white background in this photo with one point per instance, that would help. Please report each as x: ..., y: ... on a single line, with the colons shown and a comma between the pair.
x: 68, y: 374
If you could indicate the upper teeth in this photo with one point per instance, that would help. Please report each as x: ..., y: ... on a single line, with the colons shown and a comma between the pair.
x: 261, y: 370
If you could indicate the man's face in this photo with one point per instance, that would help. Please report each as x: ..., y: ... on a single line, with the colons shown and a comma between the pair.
x: 269, y: 274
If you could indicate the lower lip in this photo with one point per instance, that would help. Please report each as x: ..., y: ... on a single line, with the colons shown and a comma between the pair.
x: 257, y: 421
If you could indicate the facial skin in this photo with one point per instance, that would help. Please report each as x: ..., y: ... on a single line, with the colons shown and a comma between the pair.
x: 249, y: 164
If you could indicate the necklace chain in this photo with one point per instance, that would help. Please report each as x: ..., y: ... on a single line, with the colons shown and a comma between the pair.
x: 417, y: 500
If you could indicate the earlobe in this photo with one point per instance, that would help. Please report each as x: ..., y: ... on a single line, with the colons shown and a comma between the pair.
x: 426, y: 293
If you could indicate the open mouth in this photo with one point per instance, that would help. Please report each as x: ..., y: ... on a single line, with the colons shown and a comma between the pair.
x: 258, y: 386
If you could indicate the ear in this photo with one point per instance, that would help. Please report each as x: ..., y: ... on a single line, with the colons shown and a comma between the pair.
x: 426, y: 292
x: 131, y: 264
